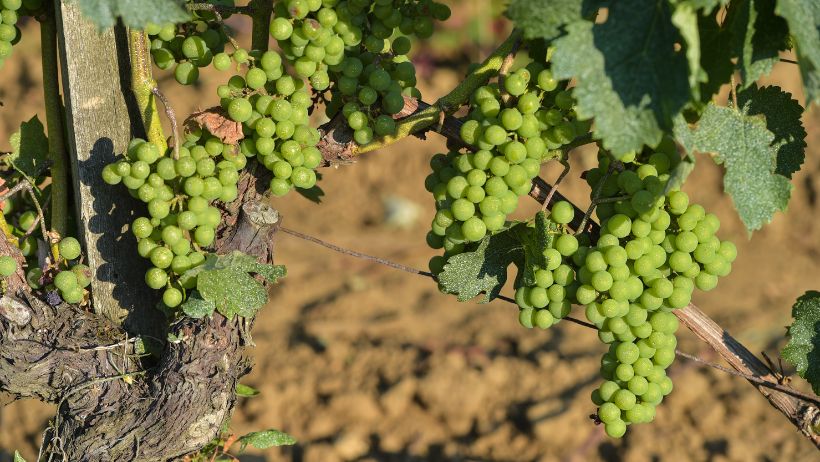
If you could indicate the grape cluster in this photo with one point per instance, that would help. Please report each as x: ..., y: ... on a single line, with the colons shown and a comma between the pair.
x: 9, y: 32
x: 71, y: 279
x: 375, y: 72
x: 655, y: 248
x: 190, y: 45
x: 179, y: 194
x: 272, y: 107
x: 67, y: 276
x: 515, y: 129
x: 549, y: 298
x: 21, y: 216
x: 312, y: 37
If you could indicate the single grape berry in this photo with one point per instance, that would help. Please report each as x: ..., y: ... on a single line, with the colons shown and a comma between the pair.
x: 8, y: 266
x: 69, y: 248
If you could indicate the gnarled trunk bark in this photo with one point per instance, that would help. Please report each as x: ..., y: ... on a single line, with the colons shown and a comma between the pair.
x: 112, y: 404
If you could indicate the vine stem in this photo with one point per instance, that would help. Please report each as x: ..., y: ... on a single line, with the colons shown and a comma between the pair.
x: 449, y: 103
x: 54, y: 120
x: 261, y: 13
x: 773, y: 385
x: 143, y: 85
x: 169, y: 112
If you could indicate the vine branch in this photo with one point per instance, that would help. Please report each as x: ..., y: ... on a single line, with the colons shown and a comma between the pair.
x: 143, y: 85
x: 261, y: 11
x: 54, y: 120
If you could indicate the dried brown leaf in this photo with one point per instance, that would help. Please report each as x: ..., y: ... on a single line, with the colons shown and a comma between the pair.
x: 216, y: 121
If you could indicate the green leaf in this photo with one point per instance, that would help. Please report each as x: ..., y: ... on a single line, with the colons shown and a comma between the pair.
x: 226, y: 282
x: 29, y: 148
x: 681, y: 171
x: 803, y: 349
x: 246, y: 391
x: 544, y: 19
x: 197, y: 307
x: 783, y: 118
x: 803, y: 17
x: 758, y: 35
x: 685, y: 18
x: 744, y: 145
x: 233, y: 292
x: 18, y: 457
x: 629, y: 76
x: 134, y: 13
x: 238, y: 261
x: 266, y: 439
x: 483, y: 270
x: 716, y: 55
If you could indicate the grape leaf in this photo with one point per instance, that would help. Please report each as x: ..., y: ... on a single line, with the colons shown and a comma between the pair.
x: 629, y: 76
x: 758, y: 35
x: 226, y: 282
x: 246, y: 391
x: 803, y: 349
x: 235, y: 293
x: 134, y: 13
x: 544, y: 18
x: 484, y: 269
x: 238, y: 261
x: 29, y: 149
x: 242, y: 262
x: 783, y: 118
x: 197, y: 307
x: 803, y: 18
x: 266, y: 439
x: 681, y: 171
x: 716, y: 55
x: 685, y: 18
x: 744, y: 145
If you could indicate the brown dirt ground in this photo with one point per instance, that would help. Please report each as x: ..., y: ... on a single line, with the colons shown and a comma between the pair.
x: 363, y: 362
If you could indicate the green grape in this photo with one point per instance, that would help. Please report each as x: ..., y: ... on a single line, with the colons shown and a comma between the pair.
x: 65, y: 281
x: 8, y: 266
x: 69, y: 248
x: 562, y: 212
x: 83, y: 274
x: 172, y: 297
x: 240, y: 109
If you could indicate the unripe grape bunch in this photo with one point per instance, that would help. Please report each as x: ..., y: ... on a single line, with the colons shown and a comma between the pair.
x: 514, y: 129
x: 180, y: 195
x: 189, y: 46
x: 374, y: 73
x: 655, y: 249
x: 9, y: 32
x: 272, y: 107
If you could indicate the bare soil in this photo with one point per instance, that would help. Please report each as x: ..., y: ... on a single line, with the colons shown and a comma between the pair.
x: 363, y: 362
